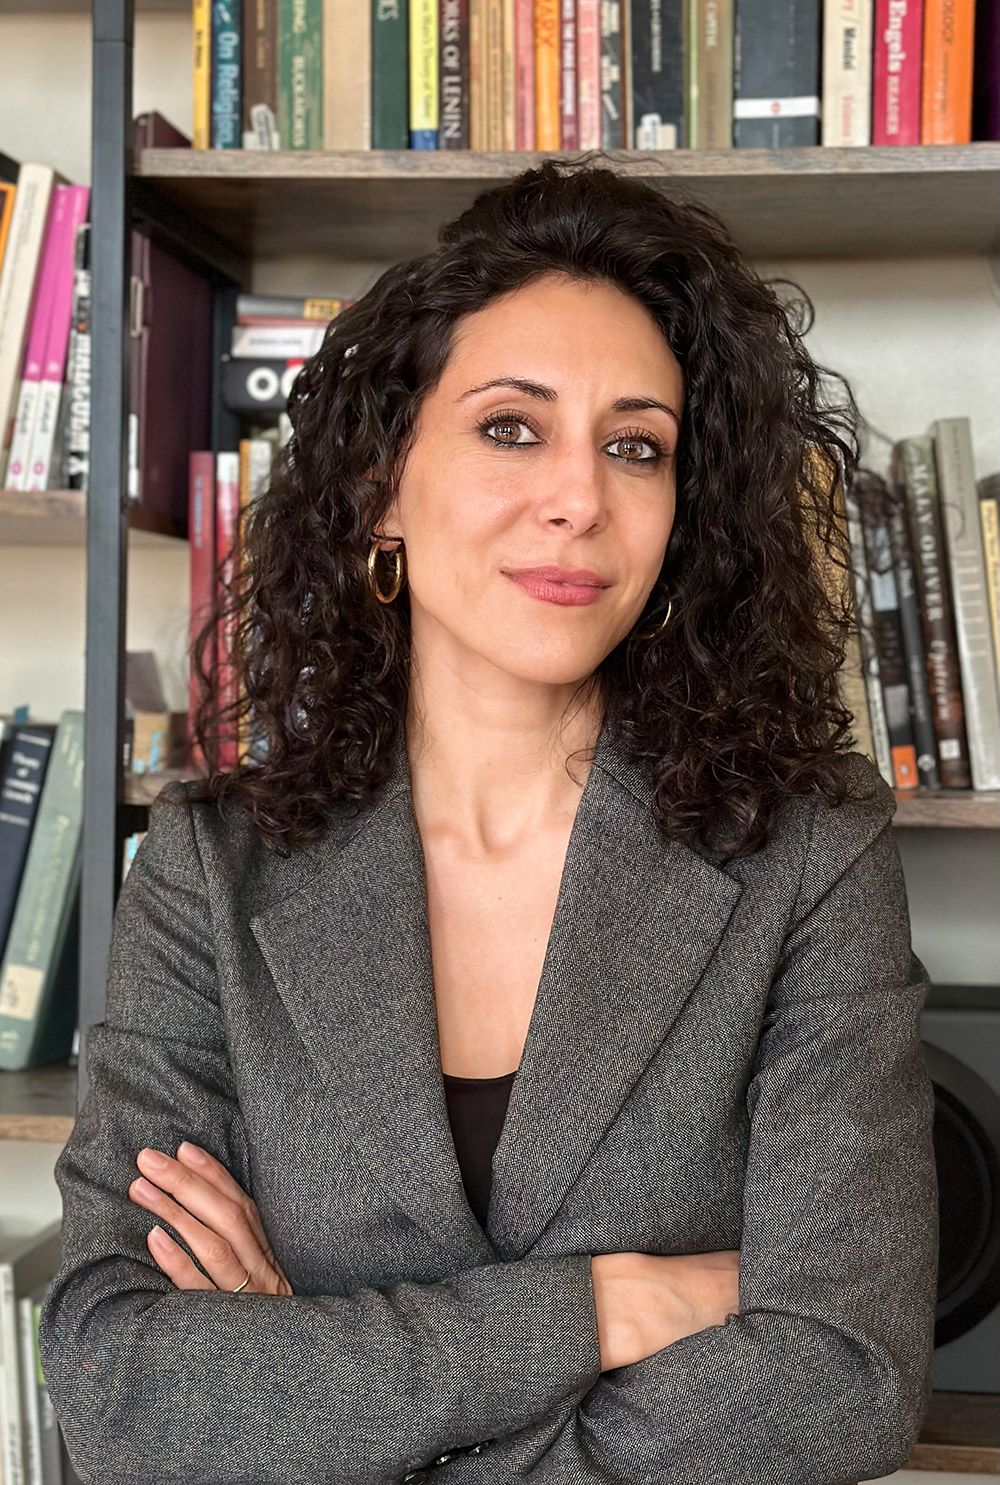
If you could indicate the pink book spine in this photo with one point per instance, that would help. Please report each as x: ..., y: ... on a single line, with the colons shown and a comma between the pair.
x: 227, y: 509
x: 897, y: 71
x: 57, y: 341
x: 34, y: 357
x: 588, y: 73
x: 201, y: 540
x: 524, y: 74
x: 570, y: 124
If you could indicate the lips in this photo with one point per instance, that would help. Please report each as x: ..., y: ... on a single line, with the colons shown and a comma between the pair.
x: 577, y: 577
x: 564, y: 587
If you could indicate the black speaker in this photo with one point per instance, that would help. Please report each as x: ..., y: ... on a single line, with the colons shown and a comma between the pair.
x: 960, y: 1027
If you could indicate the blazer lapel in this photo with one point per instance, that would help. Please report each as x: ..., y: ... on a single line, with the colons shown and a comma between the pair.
x: 636, y: 922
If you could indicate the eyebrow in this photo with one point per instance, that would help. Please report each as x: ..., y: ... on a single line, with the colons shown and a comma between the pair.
x: 549, y: 394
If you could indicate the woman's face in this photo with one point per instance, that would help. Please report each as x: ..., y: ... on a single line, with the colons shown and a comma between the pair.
x: 574, y: 468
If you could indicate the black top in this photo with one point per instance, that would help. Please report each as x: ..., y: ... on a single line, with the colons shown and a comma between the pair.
x: 477, y: 1108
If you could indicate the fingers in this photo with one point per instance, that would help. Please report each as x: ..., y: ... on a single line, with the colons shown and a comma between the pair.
x: 213, y: 1171
x: 175, y: 1263
x: 214, y: 1227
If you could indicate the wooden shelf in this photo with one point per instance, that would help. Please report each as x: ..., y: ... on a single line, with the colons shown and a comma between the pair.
x: 964, y: 808
x: 959, y: 1434
x: 38, y: 1104
x: 58, y: 518
x: 784, y: 202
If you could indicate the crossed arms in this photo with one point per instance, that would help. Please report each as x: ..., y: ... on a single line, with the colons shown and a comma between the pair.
x: 821, y: 1379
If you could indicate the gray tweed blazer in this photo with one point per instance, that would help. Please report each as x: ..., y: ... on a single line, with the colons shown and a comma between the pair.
x: 719, y: 1057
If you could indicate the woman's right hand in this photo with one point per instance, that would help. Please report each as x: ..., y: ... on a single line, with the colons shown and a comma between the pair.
x: 645, y: 1302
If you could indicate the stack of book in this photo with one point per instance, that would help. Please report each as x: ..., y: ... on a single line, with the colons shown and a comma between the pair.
x: 32, y: 1451
x: 44, y: 328
x: 926, y: 559
x: 592, y: 74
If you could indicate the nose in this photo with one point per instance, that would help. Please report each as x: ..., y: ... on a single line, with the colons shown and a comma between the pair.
x: 572, y: 489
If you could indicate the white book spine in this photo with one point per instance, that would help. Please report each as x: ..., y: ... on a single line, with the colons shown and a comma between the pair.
x: 276, y: 343
x: 16, y: 477
x: 17, y: 280
x: 29, y: 1389
x: 13, y: 1467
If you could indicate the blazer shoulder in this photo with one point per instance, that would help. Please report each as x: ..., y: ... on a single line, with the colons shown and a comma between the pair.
x: 839, y: 834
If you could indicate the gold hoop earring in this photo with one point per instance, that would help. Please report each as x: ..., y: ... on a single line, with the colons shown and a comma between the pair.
x: 651, y: 634
x: 373, y: 578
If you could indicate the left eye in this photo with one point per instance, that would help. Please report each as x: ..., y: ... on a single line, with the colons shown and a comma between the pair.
x: 654, y: 453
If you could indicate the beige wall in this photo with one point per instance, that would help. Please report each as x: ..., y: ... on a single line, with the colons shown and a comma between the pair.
x: 916, y: 337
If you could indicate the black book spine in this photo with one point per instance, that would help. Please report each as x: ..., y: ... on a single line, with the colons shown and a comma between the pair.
x: 911, y: 624
x: 26, y: 759
x: 776, y: 84
x: 453, y: 78
x: 612, y: 98
x: 657, y: 45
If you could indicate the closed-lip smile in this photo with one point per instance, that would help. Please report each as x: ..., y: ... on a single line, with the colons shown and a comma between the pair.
x: 568, y: 587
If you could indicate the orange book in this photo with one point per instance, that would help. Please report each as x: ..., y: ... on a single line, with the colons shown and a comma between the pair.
x: 7, y: 193
x: 946, y: 72
x: 548, y: 121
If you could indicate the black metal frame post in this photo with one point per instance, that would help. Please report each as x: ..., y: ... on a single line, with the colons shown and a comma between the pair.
x: 107, y: 527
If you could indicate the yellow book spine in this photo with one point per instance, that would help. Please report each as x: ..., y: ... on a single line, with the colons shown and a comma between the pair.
x: 477, y: 75
x: 509, y: 78
x: 548, y: 131
x: 201, y: 129
x: 423, y: 35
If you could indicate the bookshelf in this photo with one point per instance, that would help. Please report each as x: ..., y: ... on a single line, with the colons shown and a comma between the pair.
x: 232, y: 210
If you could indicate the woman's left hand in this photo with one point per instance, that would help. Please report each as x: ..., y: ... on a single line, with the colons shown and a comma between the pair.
x: 215, y: 1217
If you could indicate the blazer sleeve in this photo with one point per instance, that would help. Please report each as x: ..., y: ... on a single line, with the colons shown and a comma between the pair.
x: 155, y: 1384
x: 824, y: 1375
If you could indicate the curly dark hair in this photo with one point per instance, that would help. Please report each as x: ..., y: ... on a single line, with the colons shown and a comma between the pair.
x: 735, y: 704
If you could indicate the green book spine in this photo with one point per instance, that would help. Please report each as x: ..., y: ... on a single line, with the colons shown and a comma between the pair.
x: 390, y: 75
x: 38, y: 981
x: 300, y: 74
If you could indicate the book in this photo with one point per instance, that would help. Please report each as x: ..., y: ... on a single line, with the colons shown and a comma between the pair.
x: 967, y: 572
x: 988, y: 490
x: 423, y: 39
x: 8, y: 190
x: 657, y: 56
x: 260, y: 75
x: 887, y: 629
x: 708, y: 85
x: 548, y: 128
x: 25, y: 762
x: 453, y: 74
x: 946, y: 75
x: 915, y: 654
x: 847, y: 72
x: 588, y: 74
x: 865, y: 626
x: 227, y: 75
x: 390, y: 80
x: 27, y: 1261
x: 50, y: 388
x: 916, y: 476
x: 569, y: 123
x: 254, y: 309
x: 896, y: 71
x: 250, y: 388
x: 524, y: 74
x: 18, y: 277
x: 776, y: 73
x: 300, y: 74
x: 39, y: 969
x: 276, y: 343
x: 76, y: 432
x: 201, y: 125
x: 347, y: 64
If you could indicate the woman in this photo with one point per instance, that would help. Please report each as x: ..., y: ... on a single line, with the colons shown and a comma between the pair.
x: 534, y: 1053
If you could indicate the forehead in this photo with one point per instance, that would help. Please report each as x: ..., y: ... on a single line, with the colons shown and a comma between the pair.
x: 564, y: 331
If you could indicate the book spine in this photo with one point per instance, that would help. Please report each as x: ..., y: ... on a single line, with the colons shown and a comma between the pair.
x: 847, y: 83
x: 985, y: 75
x: 267, y: 343
x: 524, y: 75
x: 453, y: 25
x: 493, y: 72
x: 227, y: 506
x: 26, y: 762
x: 946, y: 76
x: 50, y: 390
x: 76, y: 444
x: 390, y: 75
x: 26, y: 411
x: 657, y: 74
x: 967, y: 570
x: 251, y: 308
x: 913, y: 639
x: 8, y: 192
x: 865, y: 628
x: 250, y: 388
x: 709, y: 85
x: 201, y: 535
x: 896, y: 69
x: 423, y: 75
x: 260, y: 75
x: 776, y: 74
x: 300, y: 74
x: 30, y: 1016
x: 612, y: 100
x: 347, y: 64
x: 916, y: 463
x: 588, y: 73
x: 508, y: 77
x: 11, y: 1449
x: 201, y: 121
x: 478, y: 112
x: 569, y: 122
x: 227, y: 75
x: 29, y: 1393
x: 989, y: 523
x: 888, y: 636
x: 548, y: 47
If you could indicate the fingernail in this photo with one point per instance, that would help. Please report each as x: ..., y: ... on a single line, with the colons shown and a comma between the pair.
x: 145, y: 1189
x: 159, y: 1237
x: 154, y: 1159
x: 192, y: 1152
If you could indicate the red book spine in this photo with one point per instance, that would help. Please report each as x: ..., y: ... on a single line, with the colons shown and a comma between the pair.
x: 569, y: 118
x: 896, y: 72
x: 588, y: 73
x: 201, y: 534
